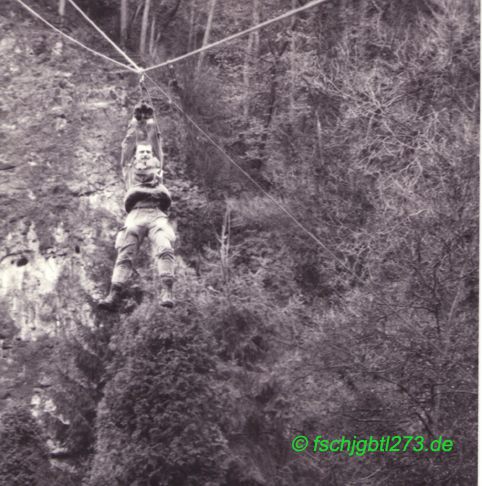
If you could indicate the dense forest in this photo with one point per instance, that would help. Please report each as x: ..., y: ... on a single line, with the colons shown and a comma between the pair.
x: 331, y: 293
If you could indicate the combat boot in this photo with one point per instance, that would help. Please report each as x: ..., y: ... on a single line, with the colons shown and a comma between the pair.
x: 167, y: 299
x: 113, y: 299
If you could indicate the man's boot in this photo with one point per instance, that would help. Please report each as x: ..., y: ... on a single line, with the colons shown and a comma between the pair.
x: 167, y: 299
x: 113, y: 299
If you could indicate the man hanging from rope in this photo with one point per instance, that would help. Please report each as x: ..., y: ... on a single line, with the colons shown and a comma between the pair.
x: 146, y: 202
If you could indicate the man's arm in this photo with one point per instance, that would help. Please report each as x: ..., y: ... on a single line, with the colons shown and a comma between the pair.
x: 141, y: 128
x: 154, y: 138
x: 128, y: 146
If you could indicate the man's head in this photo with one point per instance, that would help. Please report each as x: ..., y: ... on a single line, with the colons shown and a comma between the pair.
x: 143, y: 111
x: 143, y: 152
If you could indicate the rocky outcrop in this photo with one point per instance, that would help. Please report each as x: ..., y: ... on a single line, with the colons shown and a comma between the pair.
x: 61, y: 198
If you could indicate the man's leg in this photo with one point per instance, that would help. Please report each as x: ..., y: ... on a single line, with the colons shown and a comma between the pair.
x: 162, y: 237
x: 127, y: 245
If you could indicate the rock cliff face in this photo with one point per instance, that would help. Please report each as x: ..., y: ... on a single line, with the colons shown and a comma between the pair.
x: 63, y: 119
x: 64, y: 115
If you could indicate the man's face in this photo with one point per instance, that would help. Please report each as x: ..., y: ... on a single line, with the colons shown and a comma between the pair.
x: 143, y: 153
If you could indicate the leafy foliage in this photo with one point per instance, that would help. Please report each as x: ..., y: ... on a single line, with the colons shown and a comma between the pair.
x: 23, y: 453
x: 161, y: 417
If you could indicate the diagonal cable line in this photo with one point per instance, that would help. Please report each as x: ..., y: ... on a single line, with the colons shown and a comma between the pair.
x: 271, y: 198
x: 105, y: 36
x: 380, y: 301
x: 99, y: 54
x: 135, y: 67
x: 75, y: 41
x: 290, y: 13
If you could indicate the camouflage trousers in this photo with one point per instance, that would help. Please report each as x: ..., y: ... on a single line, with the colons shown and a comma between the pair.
x: 142, y: 222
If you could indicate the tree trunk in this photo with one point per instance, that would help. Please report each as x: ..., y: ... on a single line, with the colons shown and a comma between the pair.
x: 62, y: 11
x: 256, y: 21
x: 319, y: 135
x: 250, y: 59
x: 144, y: 26
x: 152, y: 38
x: 247, y: 59
x: 123, y: 21
x: 191, y: 36
x: 212, y: 6
x: 271, y: 106
x: 292, y: 69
